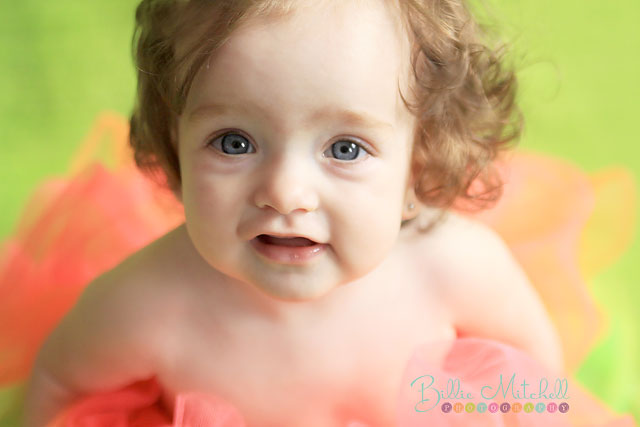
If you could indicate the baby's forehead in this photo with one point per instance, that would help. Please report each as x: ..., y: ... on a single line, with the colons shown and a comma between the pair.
x: 383, y: 17
x: 357, y: 46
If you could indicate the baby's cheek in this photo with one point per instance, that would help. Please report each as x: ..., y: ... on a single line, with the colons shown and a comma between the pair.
x: 366, y: 246
x: 209, y: 204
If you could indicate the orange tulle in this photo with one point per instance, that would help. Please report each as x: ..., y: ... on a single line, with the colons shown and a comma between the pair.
x: 77, y: 227
x: 547, y: 210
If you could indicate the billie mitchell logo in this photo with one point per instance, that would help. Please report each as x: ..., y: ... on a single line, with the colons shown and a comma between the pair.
x: 525, y: 396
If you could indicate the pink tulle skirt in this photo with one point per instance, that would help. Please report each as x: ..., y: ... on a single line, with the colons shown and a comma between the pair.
x: 77, y: 227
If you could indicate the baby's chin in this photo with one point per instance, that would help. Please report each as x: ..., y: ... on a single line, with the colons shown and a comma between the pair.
x: 246, y: 278
x: 296, y: 288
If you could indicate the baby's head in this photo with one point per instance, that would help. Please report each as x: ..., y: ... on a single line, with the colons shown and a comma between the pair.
x: 333, y: 120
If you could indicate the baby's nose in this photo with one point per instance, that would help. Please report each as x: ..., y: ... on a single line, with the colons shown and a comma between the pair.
x: 286, y: 186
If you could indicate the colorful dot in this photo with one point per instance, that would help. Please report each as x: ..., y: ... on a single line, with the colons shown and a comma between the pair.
x: 516, y: 407
x: 469, y: 407
x: 540, y: 407
x: 563, y: 407
x: 528, y: 407
x: 446, y: 407
x: 458, y: 407
x: 504, y: 407
x: 493, y: 407
x: 482, y: 407
x: 552, y: 407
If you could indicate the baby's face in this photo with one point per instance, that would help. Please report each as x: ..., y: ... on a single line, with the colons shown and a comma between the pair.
x: 296, y: 128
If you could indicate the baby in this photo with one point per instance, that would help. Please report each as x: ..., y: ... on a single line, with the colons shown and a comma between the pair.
x: 317, y: 148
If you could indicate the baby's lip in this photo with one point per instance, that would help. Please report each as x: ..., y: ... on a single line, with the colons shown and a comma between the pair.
x: 286, y: 240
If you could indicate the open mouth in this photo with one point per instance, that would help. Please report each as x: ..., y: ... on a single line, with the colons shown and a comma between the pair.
x: 285, y: 241
x: 294, y: 250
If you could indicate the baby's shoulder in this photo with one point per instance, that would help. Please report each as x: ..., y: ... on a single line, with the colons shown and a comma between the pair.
x: 457, y: 249
x: 137, y: 295
x: 454, y: 235
x: 119, y: 330
x: 470, y: 263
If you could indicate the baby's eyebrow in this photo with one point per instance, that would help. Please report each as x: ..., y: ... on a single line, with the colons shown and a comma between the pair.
x: 350, y: 117
x: 345, y: 116
x: 203, y: 111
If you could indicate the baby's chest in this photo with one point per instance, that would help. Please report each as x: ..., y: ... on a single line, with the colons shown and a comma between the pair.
x: 324, y: 378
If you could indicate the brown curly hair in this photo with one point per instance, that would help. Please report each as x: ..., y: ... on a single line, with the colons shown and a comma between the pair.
x: 463, y: 96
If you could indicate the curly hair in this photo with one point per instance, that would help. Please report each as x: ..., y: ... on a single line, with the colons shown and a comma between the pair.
x: 462, y: 95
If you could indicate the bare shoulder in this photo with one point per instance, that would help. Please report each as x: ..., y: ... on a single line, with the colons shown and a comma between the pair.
x: 142, y: 295
x: 469, y: 258
x: 457, y: 245
x: 488, y: 292
x: 149, y: 274
x: 119, y: 327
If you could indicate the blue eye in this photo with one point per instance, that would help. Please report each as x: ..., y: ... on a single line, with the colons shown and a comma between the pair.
x: 346, y: 150
x: 233, y: 144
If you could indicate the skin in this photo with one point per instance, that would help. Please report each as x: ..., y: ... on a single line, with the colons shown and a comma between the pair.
x: 212, y: 315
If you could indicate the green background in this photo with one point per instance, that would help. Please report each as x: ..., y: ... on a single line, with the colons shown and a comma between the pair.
x: 63, y: 62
